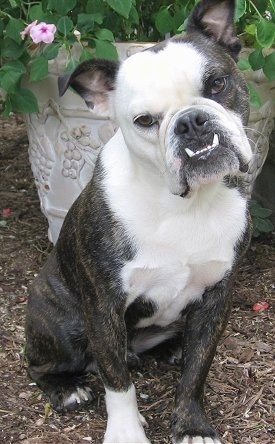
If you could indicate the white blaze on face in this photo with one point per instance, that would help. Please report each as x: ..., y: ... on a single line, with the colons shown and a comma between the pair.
x: 158, y: 81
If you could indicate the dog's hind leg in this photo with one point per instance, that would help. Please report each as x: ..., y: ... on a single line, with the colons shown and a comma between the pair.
x: 64, y: 380
x: 56, y: 349
x: 61, y: 371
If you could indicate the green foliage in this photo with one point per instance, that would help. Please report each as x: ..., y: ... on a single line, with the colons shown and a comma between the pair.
x: 82, y: 22
x: 260, y: 219
x: 255, y: 21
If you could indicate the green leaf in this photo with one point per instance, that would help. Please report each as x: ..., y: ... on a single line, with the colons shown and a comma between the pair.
x: 263, y: 6
x: 164, y: 21
x: 269, y: 66
x: 3, y: 223
x: 250, y: 29
x: 39, y: 69
x: 255, y: 98
x: 62, y: 6
x: 51, y: 51
x: 239, y: 9
x: 13, y: 3
x: 95, y: 6
x: 133, y: 16
x: 85, y: 55
x: 122, y: 7
x: 73, y: 63
x: 105, y: 34
x: 85, y: 22
x: 36, y: 13
x: 65, y: 25
x: 105, y: 49
x: 256, y: 59
x: 243, y: 64
x: 258, y: 211
x: 14, y: 65
x: 256, y: 232
x: 13, y: 29
x: 2, y: 27
x: 24, y: 101
x: 10, y: 49
x: 10, y: 80
x: 265, y: 33
x: 263, y: 225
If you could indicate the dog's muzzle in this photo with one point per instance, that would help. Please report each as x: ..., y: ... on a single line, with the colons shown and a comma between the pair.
x: 203, y: 147
x: 200, y: 137
x: 195, y: 130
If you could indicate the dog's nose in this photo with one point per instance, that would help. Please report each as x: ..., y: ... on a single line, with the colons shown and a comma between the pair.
x: 192, y: 124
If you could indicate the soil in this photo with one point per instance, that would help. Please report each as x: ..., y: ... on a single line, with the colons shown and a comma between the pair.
x: 239, y: 389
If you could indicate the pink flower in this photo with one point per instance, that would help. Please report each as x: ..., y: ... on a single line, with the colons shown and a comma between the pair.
x: 43, y: 32
x: 27, y: 30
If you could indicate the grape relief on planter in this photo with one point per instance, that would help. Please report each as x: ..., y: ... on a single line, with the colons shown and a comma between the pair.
x: 63, y: 151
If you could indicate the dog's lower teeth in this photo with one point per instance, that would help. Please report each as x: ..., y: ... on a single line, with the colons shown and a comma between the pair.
x: 189, y: 152
x: 214, y: 144
x: 216, y: 141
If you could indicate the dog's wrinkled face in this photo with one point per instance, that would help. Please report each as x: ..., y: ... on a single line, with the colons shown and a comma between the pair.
x: 181, y: 105
x: 183, y: 111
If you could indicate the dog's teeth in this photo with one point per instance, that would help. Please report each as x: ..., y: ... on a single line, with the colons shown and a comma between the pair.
x: 215, y: 140
x: 189, y: 152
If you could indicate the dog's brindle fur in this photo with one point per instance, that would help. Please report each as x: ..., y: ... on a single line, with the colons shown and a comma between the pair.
x: 76, y: 316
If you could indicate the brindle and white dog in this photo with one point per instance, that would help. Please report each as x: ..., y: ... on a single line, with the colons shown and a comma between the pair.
x: 150, y: 248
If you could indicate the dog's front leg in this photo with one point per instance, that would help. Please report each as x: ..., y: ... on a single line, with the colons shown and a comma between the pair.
x: 204, y: 326
x: 109, y: 344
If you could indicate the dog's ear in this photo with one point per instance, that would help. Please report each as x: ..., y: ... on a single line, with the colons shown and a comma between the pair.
x: 215, y: 18
x: 92, y: 80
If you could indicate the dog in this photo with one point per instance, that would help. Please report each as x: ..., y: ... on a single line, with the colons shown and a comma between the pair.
x: 150, y: 248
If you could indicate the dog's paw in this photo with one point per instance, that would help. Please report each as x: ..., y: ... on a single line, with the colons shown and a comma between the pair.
x: 133, y: 360
x: 125, y: 434
x: 198, y: 440
x: 130, y: 431
x: 125, y: 423
x: 79, y: 398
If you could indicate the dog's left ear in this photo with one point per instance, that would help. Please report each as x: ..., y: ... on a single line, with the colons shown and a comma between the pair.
x: 92, y: 80
x: 215, y: 18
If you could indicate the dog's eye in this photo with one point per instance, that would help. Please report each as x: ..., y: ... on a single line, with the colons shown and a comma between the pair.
x: 218, y: 85
x: 145, y: 120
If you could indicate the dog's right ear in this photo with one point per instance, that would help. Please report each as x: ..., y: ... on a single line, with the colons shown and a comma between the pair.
x: 92, y: 80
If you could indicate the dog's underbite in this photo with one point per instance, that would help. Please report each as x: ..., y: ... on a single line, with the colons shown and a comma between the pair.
x: 150, y: 249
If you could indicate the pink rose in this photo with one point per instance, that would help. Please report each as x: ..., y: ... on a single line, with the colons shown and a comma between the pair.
x: 43, y: 32
x: 27, y: 30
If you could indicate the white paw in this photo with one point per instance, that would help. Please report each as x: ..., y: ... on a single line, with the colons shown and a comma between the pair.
x: 199, y: 440
x: 81, y: 395
x: 127, y: 430
x: 125, y: 423
x: 126, y: 433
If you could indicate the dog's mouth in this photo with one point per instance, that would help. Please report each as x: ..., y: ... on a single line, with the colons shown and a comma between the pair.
x: 206, y: 160
x: 215, y: 150
x: 204, y: 152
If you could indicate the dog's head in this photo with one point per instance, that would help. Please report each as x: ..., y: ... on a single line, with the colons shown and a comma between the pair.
x: 182, y: 104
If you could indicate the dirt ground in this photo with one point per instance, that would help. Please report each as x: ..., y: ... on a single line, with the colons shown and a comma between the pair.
x: 239, y: 391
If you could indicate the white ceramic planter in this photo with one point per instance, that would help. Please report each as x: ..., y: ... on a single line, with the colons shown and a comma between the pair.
x: 261, y: 124
x: 65, y: 139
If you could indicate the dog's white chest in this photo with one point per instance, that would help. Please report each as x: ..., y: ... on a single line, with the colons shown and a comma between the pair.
x: 170, y: 286
x: 181, y: 254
